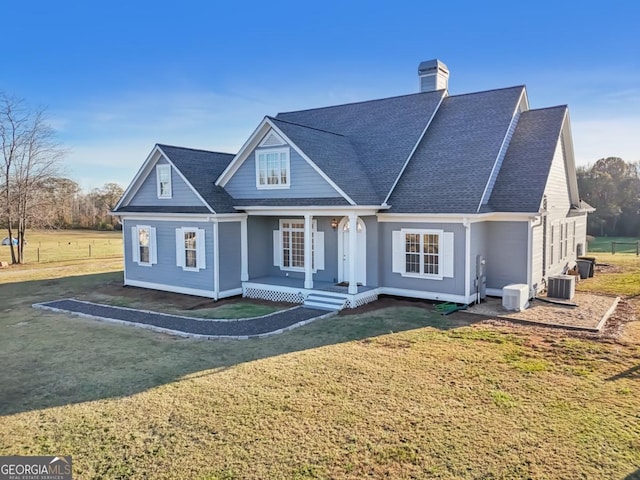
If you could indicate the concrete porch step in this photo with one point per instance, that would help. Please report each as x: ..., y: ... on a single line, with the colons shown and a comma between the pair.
x: 326, y: 301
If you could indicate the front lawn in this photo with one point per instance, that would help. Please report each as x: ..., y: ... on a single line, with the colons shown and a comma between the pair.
x: 395, y: 393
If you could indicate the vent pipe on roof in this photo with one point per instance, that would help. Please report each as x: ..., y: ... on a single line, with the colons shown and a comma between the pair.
x: 434, y: 75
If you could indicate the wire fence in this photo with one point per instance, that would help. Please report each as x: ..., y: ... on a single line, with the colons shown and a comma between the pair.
x: 52, y: 250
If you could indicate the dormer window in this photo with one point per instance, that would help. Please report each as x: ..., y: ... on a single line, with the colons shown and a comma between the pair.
x: 273, y: 168
x: 163, y: 177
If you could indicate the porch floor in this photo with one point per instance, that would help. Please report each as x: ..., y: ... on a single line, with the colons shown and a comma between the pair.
x: 299, y: 283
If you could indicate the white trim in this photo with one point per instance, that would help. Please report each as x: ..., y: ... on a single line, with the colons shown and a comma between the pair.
x: 145, y: 171
x: 314, y: 228
x: 232, y: 293
x: 313, y: 165
x: 136, y: 245
x: 200, y: 251
x: 308, y: 250
x: 216, y: 261
x: 454, y: 218
x: 514, y: 118
x: 269, y: 134
x: 445, y: 297
x: 421, y: 232
x: 315, y: 210
x: 569, y: 159
x: 124, y: 249
x: 252, y: 143
x: 278, y: 150
x: 160, y: 170
x: 341, y: 273
x: 187, y: 217
x: 170, y: 288
x: 184, y: 179
x: 415, y: 147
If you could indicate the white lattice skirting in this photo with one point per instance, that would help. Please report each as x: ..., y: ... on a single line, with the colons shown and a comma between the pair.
x: 291, y: 295
x: 273, y: 295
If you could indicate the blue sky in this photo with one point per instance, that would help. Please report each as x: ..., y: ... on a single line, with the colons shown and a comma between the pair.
x: 118, y: 77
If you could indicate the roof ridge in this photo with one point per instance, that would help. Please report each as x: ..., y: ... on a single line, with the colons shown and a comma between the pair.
x: 360, y: 102
x: 305, y: 126
x: 193, y: 149
x: 488, y: 91
x: 564, y: 107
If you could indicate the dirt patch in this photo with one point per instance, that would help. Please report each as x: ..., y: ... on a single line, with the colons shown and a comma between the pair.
x: 178, y: 300
x: 607, y: 268
x: 587, y: 314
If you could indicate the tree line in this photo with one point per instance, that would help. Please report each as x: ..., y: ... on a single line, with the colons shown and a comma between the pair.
x: 612, y: 187
x: 33, y: 193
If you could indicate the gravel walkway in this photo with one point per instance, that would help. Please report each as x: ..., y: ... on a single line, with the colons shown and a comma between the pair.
x: 241, y: 329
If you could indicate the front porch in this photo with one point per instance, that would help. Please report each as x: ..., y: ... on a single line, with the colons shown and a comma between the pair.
x: 290, y: 289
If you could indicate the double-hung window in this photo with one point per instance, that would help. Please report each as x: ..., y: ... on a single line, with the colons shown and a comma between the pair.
x: 143, y: 245
x: 163, y: 180
x: 190, y: 249
x: 273, y: 168
x: 423, y: 253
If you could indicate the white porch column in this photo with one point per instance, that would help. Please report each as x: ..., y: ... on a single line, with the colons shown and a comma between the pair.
x: 353, y: 236
x: 244, y: 251
x: 308, y: 260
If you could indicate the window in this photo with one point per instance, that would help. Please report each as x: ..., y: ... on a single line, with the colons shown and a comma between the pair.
x: 423, y: 253
x: 288, y: 246
x: 190, y: 249
x: 272, y: 168
x: 573, y: 238
x: 163, y: 177
x: 143, y: 245
x: 551, y: 242
x: 566, y: 240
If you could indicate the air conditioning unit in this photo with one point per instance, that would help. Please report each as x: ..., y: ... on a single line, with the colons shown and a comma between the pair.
x: 515, y: 297
x: 561, y: 286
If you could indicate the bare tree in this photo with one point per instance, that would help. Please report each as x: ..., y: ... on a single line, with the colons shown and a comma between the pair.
x: 31, y: 157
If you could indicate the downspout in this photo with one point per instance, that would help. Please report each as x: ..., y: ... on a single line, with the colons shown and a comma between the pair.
x: 467, y: 258
x: 532, y: 223
x: 216, y: 261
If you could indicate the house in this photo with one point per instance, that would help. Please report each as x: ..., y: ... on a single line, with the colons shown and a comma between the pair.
x: 427, y: 195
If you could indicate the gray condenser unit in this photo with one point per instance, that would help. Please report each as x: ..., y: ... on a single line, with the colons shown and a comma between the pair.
x: 561, y: 286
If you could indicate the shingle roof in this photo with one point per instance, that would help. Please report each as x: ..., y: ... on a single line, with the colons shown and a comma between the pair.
x: 335, y: 156
x: 451, y: 166
x: 382, y: 134
x: 523, y: 177
x: 201, y: 168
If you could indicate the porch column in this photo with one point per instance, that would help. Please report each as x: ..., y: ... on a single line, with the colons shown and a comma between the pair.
x: 308, y: 261
x: 353, y: 233
x: 244, y: 251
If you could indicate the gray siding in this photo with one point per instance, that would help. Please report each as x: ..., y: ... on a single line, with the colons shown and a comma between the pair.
x: 558, y: 205
x: 453, y: 286
x: 260, y: 233
x: 506, y: 253
x: 305, y: 181
x: 230, y: 255
x: 165, y: 271
x: 181, y: 194
x: 478, y: 247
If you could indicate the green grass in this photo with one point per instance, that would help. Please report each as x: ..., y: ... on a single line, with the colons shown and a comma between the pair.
x: 624, y: 279
x: 603, y: 244
x: 394, y: 393
x: 67, y: 245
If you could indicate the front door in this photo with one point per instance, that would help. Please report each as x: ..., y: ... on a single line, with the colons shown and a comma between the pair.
x: 344, y: 230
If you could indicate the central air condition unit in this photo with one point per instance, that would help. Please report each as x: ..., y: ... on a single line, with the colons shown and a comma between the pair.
x: 562, y: 286
x: 515, y: 297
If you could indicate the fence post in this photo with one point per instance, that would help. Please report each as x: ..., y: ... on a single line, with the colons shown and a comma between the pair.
x: 613, y: 248
x: 637, y: 249
x: 38, y: 254
x: 89, y: 250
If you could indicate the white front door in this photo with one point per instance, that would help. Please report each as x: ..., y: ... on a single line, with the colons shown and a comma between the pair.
x: 344, y: 230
